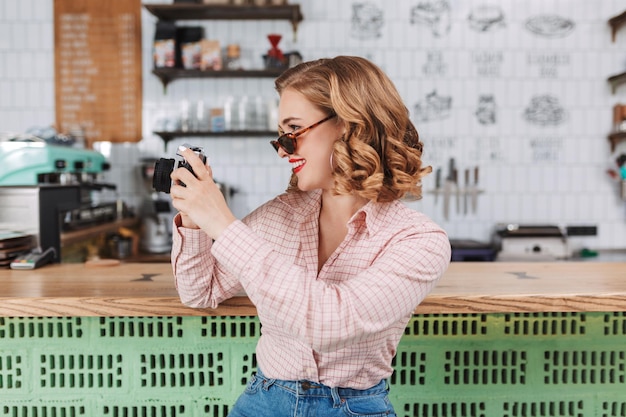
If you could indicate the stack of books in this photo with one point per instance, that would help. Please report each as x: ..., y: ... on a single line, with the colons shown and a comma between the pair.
x: 12, y: 244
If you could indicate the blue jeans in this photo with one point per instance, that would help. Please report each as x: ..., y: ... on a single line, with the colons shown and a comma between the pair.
x: 266, y: 397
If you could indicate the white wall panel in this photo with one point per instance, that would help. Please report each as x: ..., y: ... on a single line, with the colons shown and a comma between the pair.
x: 530, y: 173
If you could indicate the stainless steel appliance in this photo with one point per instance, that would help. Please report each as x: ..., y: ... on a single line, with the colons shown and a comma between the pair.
x: 46, y: 189
x: 38, y: 210
x: 156, y: 214
x: 156, y: 227
x: 531, y: 243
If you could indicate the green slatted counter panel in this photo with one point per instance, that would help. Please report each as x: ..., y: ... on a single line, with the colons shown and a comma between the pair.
x: 447, y: 365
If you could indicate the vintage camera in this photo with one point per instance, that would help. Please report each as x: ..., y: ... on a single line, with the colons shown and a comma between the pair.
x: 161, y: 180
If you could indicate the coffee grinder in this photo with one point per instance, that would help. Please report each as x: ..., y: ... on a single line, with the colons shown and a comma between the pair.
x: 156, y: 214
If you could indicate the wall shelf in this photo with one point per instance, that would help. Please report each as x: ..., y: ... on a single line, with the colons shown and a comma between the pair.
x: 194, y: 11
x: 169, y: 135
x: 616, y: 23
x: 615, y: 138
x: 191, y: 11
x: 167, y: 75
x: 616, y: 81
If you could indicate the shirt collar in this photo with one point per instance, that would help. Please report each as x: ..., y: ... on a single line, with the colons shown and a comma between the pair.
x: 302, y: 204
x: 372, y: 215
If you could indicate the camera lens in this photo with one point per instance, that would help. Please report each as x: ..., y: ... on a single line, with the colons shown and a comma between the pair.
x: 161, y: 180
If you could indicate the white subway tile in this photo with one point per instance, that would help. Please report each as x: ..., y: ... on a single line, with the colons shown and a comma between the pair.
x: 515, y: 190
x: 6, y: 35
x: 6, y: 96
x: 11, y: 10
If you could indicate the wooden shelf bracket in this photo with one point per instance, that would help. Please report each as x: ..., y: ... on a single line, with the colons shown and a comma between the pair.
x: 616, y: 23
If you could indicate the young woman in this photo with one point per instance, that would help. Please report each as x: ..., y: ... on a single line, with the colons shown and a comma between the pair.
x: 337, y: 264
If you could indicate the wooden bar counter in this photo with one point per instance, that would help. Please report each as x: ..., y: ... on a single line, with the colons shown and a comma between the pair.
x: 492, y: 340
x: 147, y: 289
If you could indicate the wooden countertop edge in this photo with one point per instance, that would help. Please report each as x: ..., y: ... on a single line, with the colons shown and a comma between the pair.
x: 241, y: 306
x: 109, y: 307
x: 522, y: 304
x: 139, y: 289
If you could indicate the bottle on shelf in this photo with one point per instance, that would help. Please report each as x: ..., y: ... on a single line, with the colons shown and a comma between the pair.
x: 233, y: 57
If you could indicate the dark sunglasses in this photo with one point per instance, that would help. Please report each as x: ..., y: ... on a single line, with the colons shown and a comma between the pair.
x: 287, y: 141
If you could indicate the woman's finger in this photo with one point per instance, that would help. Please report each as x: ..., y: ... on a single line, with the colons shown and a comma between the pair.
x: 183, y: 175
x: 199, y: 168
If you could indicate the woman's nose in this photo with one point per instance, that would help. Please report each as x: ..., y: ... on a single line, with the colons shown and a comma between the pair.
x: 282, y: 153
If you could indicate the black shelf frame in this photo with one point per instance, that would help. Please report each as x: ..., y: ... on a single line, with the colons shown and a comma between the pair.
x: 169, y: 135
x: 616, y: 81
x: 192, y: 11
x: 167, y: 75
x: 615, y: 138
x: 616, y: 23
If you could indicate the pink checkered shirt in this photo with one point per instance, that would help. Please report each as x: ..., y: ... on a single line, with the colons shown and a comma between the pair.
x: 339, y: 327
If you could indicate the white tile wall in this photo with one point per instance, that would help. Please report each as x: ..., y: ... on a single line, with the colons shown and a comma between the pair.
x: 530, y: 174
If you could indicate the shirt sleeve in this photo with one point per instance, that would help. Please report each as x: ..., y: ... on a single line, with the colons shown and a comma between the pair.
x: 329, y: 316
x: 200, y: 280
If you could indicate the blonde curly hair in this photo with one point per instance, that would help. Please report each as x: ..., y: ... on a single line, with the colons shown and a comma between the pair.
x: 379, y: 157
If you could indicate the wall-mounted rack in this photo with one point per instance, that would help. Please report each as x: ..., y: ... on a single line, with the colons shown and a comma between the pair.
x: 191, y: 11
x: 169, y: 135
x: 167, y: 75
x: 616, y: 23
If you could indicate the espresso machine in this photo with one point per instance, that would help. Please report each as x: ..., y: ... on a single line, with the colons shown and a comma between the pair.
x: 47, y: 189
x: 36, y: 162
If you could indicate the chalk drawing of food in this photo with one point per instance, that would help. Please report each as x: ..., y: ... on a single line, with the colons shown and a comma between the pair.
x: 434, y: 14
x: 367, y: 21
x: 486, y: 111
x: 433, y: 107
x: 550, y: 26
x: 486, y: 18
x: 545, y: 110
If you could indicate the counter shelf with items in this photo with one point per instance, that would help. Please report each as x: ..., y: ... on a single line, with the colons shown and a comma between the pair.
x: 232, y: 116
x: 191, y: 11
x: 172, y: 70
x: 186, y: 11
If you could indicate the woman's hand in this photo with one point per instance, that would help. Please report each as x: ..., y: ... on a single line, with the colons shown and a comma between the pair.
x: 200, y: 201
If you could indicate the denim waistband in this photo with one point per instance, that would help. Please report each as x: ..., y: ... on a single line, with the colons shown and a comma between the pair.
x: 316, y: 389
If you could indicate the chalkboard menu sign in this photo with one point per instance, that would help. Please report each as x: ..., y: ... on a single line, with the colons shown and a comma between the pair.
x: 97, y: 54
